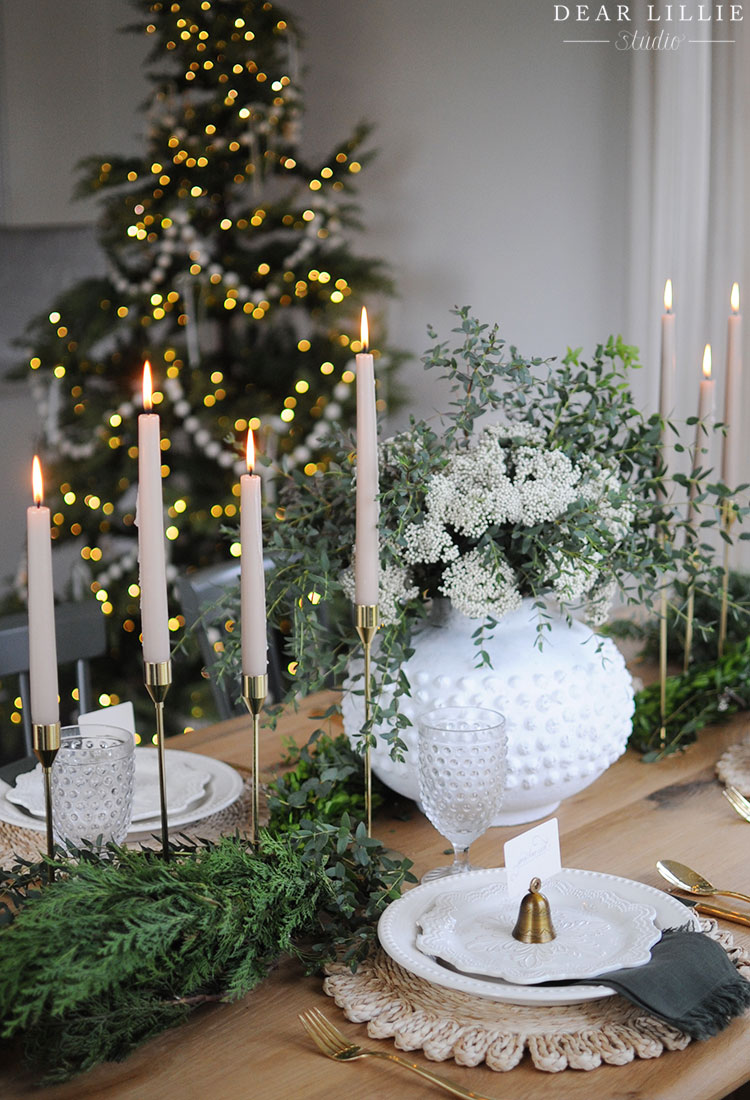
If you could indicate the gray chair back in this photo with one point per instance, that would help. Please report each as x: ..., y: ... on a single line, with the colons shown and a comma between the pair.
x: 81, y: 635
x: 200, y: 591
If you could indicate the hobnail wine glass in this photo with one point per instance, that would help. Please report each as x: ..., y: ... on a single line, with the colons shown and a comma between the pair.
x: 93, y: 779
x: 463, y: 756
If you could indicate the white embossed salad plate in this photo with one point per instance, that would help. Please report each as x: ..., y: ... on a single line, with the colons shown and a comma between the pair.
x: 187, y: 778
x: 596, y: 930
x: 400, y: 925
x: 222, y: 788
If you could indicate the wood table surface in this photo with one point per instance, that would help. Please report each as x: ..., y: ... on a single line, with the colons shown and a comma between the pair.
x: 256, y: 1050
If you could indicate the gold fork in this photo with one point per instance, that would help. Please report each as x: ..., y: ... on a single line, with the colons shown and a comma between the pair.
x: 335, y: 1045
x: 737, y: 801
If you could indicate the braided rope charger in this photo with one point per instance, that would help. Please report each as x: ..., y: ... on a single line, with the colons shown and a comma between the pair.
x: 733, y: 766
x: 30, y: 844
x: 448, y: 1024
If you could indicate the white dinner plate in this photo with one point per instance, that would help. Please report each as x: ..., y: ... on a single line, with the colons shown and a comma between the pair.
x: 187, y: 779
x: 223, y: 787
x: 596, y: 930
x: 399, y: 927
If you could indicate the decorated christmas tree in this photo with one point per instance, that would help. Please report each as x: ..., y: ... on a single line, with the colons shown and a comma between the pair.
x: 229, y: 267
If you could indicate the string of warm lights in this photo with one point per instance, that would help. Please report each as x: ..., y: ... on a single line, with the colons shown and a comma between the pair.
x: 228, y: 264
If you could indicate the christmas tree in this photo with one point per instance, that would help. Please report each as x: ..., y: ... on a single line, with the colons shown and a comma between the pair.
x: 230, y: 269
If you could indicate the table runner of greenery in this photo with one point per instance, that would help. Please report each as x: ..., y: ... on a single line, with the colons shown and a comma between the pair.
x: 123, y: 944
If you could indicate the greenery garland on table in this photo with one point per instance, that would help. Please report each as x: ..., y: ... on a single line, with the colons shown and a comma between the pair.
x: 706, y: 694
x: 712, y: 689
x: 123, y: 944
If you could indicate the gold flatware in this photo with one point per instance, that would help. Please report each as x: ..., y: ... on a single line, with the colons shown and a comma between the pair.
x: 334, y: 1044
x: 721, y: 913
x: 687, y: 879
x: 737, y: 801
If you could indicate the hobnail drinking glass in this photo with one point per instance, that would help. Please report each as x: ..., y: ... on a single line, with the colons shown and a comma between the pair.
x: 463, y: 756
x: 93, y: 778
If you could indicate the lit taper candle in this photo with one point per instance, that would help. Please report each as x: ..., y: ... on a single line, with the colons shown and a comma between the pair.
x: 730, y: 464
x: 366, y: 552
x: 704, y: 427
x: 252, y: 576
x: 45, y: 707
x: 667, y: 376
x: 151, y: 541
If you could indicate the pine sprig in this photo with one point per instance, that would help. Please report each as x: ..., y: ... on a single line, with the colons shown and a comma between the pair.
x: 123, y: 944
x: 706, y: 694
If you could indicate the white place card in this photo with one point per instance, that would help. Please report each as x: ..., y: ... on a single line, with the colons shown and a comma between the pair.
x: 533, y: 854
x: 121, y: 715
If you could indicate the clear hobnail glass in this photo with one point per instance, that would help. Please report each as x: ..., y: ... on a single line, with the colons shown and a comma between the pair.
x: 463, y: 757
x: 93, y: 778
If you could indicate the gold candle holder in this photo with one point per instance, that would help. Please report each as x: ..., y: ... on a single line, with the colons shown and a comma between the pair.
x: 158, y: 679
x: 663, y: 656
x: 690, y: 615
x: 727, y: 519
x: 46, y: 745
x: 254, y: 691
x: 367, y: 622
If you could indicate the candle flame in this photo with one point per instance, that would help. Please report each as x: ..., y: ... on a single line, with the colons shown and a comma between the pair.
x: 668, y: 296
x: 250, y: 452
x: 364, y: 330
x: 37, y: 486
x: 147, y: 387
x: 734, y: 298
x: 707, y: 361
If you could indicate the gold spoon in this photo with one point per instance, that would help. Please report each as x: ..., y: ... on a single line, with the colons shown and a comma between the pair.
x: 688, y: 879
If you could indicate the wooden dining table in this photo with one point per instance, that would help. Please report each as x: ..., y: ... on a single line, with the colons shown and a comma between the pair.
x: 255, y: 1049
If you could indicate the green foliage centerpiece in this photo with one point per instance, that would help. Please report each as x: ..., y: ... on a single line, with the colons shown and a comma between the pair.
x: 541, y: 479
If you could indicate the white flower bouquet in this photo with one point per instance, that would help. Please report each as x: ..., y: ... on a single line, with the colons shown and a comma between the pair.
x: 542, y: 479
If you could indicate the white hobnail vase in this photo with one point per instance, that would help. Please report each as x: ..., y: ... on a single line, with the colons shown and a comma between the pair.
x: 568, y: 704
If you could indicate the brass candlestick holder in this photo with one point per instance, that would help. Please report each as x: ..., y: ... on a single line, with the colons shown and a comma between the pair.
x: 367, y: 622
x: 663, y: 655
x: 663, y: 667
x: 254, y: 690
x: 727, y: 519
x: 46, y: 745
x: 158, y: 679
x: 690, y: 616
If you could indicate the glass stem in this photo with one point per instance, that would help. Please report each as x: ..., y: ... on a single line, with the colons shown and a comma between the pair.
x: 460, y: 859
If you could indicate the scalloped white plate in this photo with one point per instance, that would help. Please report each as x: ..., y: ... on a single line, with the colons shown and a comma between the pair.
x: 596, y: 931
x: 398, y: 929
x: 223, y: 788
x: 187, y: 779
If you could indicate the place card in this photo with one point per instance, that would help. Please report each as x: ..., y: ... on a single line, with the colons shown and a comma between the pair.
x: 120, y: 715
x: 533, y: 854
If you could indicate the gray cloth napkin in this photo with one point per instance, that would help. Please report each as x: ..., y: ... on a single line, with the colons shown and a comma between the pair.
x: 690, y: 983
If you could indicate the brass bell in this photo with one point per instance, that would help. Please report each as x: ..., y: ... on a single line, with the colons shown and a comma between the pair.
x: 534, y: 924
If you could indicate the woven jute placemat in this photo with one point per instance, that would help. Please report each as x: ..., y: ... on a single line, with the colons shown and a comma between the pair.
x: 733, y: 766
x: 446, y: 1024
x: 30, y: 844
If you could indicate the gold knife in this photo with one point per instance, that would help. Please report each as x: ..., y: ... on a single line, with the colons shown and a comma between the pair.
x: 717, y: 911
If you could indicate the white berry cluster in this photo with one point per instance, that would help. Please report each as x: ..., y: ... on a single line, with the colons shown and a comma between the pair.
x: 479, y: 504
x: 481, y: 583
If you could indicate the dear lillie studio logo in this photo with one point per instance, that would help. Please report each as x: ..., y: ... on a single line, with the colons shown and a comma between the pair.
x: 663, y: 27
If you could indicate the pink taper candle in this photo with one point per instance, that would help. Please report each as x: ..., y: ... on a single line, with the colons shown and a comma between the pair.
x: 366, y: 551
x: 45, y: 707
x: 667, y: 377
x: 704, y: 427
x: 730, y: 463
x: 252, y: 576
x: 705, y: 400
x: 151, y: 542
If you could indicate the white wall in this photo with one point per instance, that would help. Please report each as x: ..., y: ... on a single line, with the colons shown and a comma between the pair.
x: 501, y: 176
x: 70, y: 84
